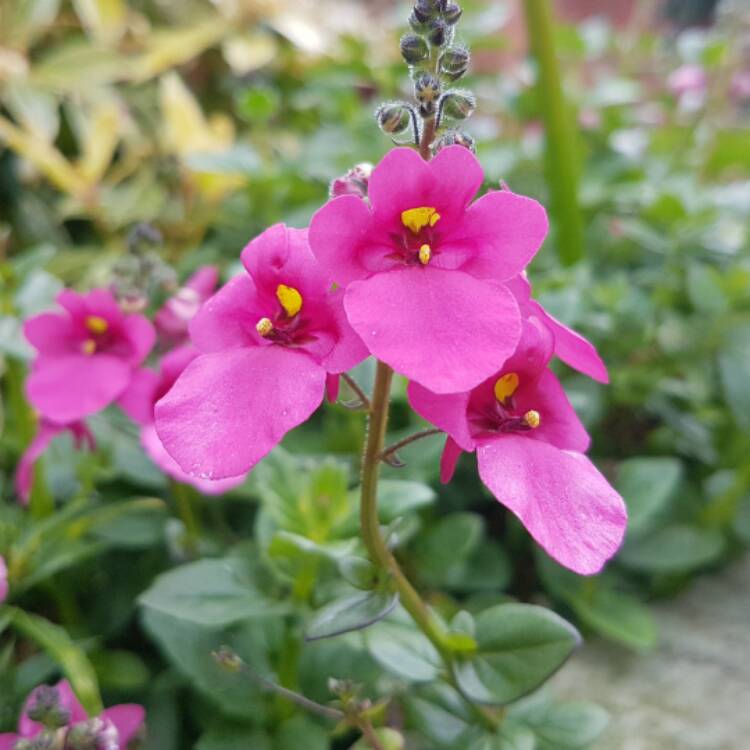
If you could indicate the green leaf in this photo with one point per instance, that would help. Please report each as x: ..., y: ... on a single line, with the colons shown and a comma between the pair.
x: 397, y: 497
x: 120, y: 670
x: 617, y: 616
x: 353, y: 612
x: 678, y: 548
x: 299, y: 732
x: 389, y: 738
x: 510, y: 736
x: 210, y: 592
x: 399, y: 647
x: 734, y: 368
x: 70, y: 658
x: 647, y: 484
x: 705, y: 290
x: 223, y: 737
x: 568, y: 726
x: 519, y: 647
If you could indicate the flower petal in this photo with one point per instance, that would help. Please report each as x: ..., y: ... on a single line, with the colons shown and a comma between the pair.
x: 65, y: 389
x: 559, y: 496
x: 573, y: 349
x: 50, y: 333
x: 229, y: 409
x: 443, y: 329
x: 446, y: 411
x: 228, y: 319
x: 559, y: 424
x: 158, y: 454
x: 338, y: 231
x: 333, y: 383
x: 3, y: 579
x: 128, y: 718
x: 38, y: 445
x: 8, y: 741
x: 448, y: 460
x: 498, y: 236
x: 138, y: 399
x: 141, y: 334
x: 349, y: 349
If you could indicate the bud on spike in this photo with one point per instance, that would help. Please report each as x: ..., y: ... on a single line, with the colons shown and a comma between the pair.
x: 453, y: 138
x: 452, y: 13
x: 394, y: 117
x: 438, y: 34
x: 457, y: 104
x: 455, y: 60
x: 414, y: 49
x: 427, y: 91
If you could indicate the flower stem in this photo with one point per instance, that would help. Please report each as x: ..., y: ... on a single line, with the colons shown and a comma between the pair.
x: 391, y: 449
x: 184, y: 495
x: 376, y: 546
x: 428, y: 136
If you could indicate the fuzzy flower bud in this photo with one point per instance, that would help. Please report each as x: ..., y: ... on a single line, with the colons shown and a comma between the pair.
x: 454, y: 138
x: 452, y: 13
x: 454, y: 61
x: 94, y: 734
x: 427, y: 91
x: 457, y: 104
x: 354, y: 182
x: 414, y: 49
x: 438, y: 33
x: 46, y: 708
x: 394, y: 117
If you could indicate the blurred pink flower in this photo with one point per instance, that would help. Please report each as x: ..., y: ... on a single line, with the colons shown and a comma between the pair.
x: 46, y: 433
x: 138, y: 402
x: 173, y: 318
x: 3, y: 579
x: 267, y: 341
x: 686, y: 79
x: 530, y: 451
x: 127, y: 719
x: 740, y: 85
x: 86, y: 354
x: 423, y: 266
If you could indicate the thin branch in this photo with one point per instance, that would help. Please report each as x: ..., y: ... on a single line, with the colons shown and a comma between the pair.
x: 355, y: 386
x: 391, y: 449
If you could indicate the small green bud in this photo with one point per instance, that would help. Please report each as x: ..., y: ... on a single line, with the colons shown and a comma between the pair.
x: 228, y: 659
x: 457, y: 104
x: 452, y: 13
x: 394, y: 117
x: 454, y: 138
x: 427, y: 91
x: 47, y: 709
x: 455, y: 60
x: 438, y: 33
x: 414, y: 49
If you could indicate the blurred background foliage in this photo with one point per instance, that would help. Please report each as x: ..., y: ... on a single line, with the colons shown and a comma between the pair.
x: 212, y: 120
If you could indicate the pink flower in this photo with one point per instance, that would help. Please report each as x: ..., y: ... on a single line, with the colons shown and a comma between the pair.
x: 46, y: 433
x: 686, y: 79
x: 177, y: 312
x: 3, y: 579
x: 572, y: 348
x: 267, y: 339
x: 530, y: 446
x: 138, y: 402
x: 423, y: 269
x: 127, y: 719
x: 86, y: 354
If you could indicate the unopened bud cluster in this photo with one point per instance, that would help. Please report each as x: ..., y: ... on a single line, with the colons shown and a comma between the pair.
x: 435, y: 62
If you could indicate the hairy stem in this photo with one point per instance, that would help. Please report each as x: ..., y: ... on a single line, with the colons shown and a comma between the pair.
x: 428, y: 136
x: 376, y: 546
x: 391, y: 449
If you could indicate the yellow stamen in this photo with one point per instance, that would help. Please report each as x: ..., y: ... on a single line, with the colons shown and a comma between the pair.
x: 506, y: 386
x: 425, y: 253
x: 264, y: 327
x: 96, y: 324
x: 290, y: 299
x: 88, y: 346
x: 417, y: 219
x: 532, y: 419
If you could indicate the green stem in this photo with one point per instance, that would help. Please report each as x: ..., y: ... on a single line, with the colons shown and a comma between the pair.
x: 561, y: 152
x: 376, y: 546
x: 183, y: 495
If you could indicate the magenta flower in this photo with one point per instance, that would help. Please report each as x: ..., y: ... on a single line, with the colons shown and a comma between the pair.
x: 424, y: 269
x: 3, y: 579
x: 46, y: 433
x: 267, y: 339
x: 86, y: 354
x: 138, y: 402
x: 572, y: 348
x: 530, y: 447
x: 177, y: 312
x: 127, y: 719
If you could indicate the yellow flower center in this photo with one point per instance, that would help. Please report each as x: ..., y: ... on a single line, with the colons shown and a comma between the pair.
x: 532, y: 419
x: 88, y: 346
x: 264, y: 327
x: 96, y: 324
x: 417, y: 219
x: 425, y: 253
x: 289, y: 298
x: 506, y: 386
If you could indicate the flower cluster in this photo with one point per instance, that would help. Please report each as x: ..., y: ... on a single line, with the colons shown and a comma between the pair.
x: 430, y: 282
x: 90, y: 355
x: 52, y: 717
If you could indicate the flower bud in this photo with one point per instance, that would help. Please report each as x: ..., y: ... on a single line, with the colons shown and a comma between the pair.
x: 414, y: 49
x: 46, y: 708
x: 454, y: 61
x: 438, y: 33
x: 228, y: 659
x: 94, y: 734
x: 457, y: 104
x: 425, y: 10
x: 394, y: 117
x: 452, y: 13
x: 454, y: 138
x: 354, y: 182
x: 427, y: 91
